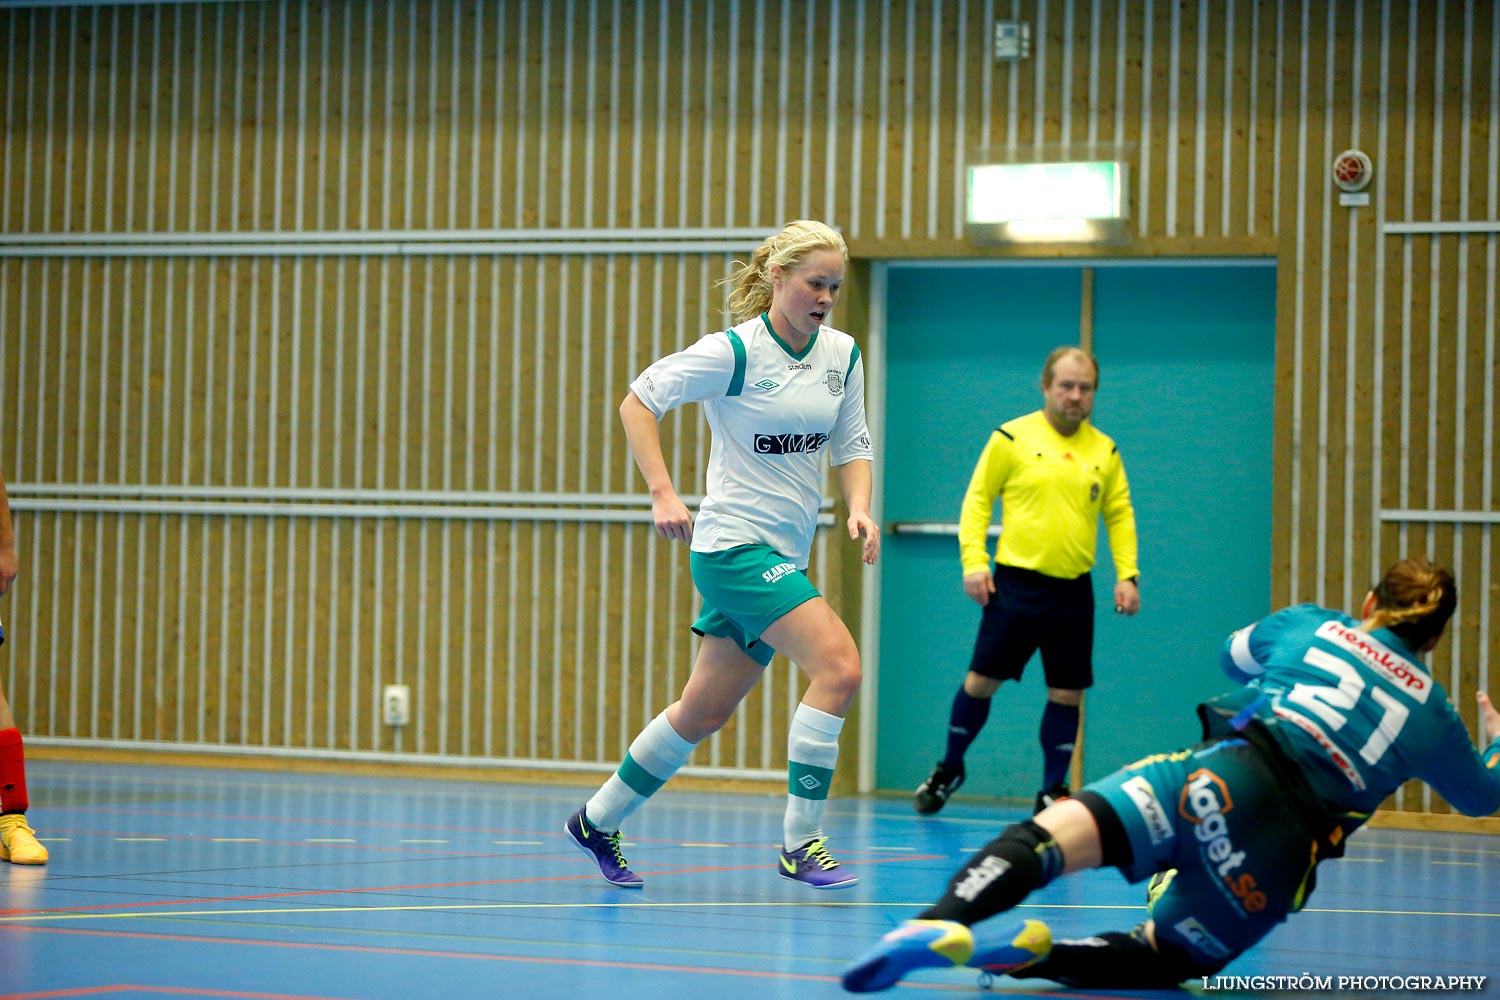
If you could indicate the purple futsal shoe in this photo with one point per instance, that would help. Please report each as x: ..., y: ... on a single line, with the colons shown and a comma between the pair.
x: 813, y: 866
x: 604, y: 848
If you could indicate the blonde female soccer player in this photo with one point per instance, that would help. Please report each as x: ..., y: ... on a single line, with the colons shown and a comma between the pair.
x: 781, y: 390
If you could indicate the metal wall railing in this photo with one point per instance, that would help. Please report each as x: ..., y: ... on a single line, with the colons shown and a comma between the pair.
x: 266, y: 641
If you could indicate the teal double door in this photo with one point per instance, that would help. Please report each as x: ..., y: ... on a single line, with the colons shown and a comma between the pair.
x: 1187, y: 352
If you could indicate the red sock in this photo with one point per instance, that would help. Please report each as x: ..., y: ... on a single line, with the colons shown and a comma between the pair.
x: 12, y: 772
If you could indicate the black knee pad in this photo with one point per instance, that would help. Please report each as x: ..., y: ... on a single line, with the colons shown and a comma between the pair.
x: 1022, y: 859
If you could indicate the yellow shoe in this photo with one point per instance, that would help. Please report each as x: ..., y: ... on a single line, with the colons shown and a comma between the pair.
x: 18, y: 843
x: 1012, y: 949
x: 916, y: 944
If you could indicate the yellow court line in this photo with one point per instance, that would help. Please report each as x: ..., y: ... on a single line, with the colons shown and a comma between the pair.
x: 1469, y: 864
x: 436, y: 908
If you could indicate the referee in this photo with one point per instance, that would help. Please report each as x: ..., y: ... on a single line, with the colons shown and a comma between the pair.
x: 1054, y: 474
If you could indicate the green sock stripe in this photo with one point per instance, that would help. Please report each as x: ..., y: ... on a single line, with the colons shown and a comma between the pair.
x: 640, y: 780
x: 807, y: 781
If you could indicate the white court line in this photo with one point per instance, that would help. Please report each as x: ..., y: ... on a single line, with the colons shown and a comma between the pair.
x: 310, y: 910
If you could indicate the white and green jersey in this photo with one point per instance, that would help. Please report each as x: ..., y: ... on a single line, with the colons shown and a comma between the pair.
x: 773, y: 413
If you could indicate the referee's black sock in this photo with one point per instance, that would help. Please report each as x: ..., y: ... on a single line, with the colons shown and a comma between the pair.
x: 965, y: 720
x: 1059, y: 733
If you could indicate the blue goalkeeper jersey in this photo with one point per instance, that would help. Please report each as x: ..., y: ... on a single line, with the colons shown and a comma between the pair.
x: 1358, y: 712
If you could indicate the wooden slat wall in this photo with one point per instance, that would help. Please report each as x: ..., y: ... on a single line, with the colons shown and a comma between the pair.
x: 495, y: 372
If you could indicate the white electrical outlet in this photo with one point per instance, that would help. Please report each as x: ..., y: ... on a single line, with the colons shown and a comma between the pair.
x: 395, y: 703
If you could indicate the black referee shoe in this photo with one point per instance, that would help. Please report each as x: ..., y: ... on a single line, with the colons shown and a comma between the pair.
x: 933, y: 793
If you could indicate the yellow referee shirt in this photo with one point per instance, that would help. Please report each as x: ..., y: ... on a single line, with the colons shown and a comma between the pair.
x: 1052, y: 490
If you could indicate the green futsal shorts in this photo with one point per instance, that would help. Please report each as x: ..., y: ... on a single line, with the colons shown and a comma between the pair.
x: 745, y: 589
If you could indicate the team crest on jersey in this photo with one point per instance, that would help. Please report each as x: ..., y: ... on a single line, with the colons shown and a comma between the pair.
x: 1093, y: 492
x: 835, y: 382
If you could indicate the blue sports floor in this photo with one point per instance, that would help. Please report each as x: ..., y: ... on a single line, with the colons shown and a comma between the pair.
x: 187, y: 882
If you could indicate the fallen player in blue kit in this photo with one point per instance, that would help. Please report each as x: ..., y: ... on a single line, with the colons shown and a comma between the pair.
x: 1334, y: 714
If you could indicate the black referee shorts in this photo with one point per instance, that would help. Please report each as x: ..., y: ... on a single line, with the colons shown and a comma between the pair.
x: 1031, y: 611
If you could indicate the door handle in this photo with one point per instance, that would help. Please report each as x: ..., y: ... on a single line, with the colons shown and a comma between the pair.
x: 932, y: 528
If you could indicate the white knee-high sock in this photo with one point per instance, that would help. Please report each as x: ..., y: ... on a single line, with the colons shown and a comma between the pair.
x: 812, y: 749
x: 655, y: 755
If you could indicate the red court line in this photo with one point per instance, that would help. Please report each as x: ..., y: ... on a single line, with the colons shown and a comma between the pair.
x: 473, y: 956
x: 427, y: 953
x: 372, y: 824
x: 204, y: 839
x: 84, y: 991
x: 412, y: 888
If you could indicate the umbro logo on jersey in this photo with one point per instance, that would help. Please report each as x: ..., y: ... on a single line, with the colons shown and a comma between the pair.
x: 765, y: 384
